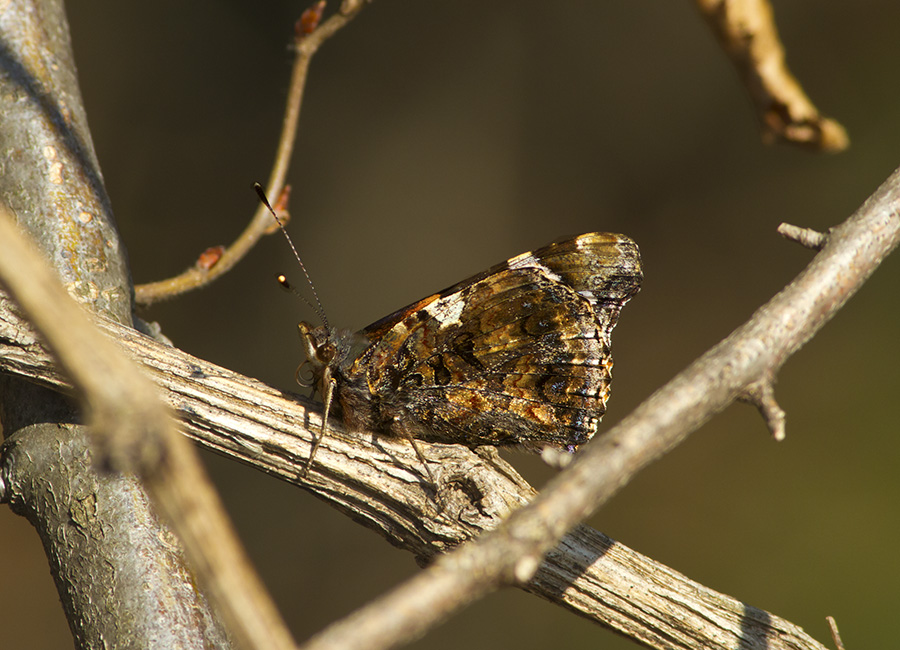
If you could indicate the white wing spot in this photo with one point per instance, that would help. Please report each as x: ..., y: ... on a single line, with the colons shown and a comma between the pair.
x: 446, y: 312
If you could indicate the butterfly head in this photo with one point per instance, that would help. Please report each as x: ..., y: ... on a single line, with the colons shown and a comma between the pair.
x: 321, y: 350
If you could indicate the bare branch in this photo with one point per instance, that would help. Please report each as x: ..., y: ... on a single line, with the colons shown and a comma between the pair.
x: 747, y: 32
x: 199, y: 275
x: 121, y: 575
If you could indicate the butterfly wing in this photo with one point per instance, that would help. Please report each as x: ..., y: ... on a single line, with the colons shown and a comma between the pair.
x: 517, y: 355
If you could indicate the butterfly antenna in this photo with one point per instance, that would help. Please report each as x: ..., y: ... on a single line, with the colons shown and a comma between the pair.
x: 281, y: 279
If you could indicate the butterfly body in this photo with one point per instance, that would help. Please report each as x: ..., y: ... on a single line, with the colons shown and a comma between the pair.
x: 518, y: 355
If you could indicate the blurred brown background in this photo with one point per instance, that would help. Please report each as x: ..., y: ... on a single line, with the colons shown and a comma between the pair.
x: 438, y: 138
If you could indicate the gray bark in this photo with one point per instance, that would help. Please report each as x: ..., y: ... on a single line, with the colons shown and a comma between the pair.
x: 120, y: 574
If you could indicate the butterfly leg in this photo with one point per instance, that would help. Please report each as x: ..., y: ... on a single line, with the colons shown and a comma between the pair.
x: 415, y: 445
x: 421, y: 458
x: 328, y: 382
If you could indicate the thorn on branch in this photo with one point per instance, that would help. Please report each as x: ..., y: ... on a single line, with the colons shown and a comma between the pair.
x: 762, y: 395
x: 839, y: 644
x: 804, y: 236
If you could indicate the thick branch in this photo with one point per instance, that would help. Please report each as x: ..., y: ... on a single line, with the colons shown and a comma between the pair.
x: 134, y: 433
x: 121, y: 575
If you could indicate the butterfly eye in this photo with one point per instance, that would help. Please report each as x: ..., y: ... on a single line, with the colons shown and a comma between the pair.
x: 327, y: 352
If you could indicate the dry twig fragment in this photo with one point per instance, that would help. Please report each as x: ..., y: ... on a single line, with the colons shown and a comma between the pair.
x: 747, y: 32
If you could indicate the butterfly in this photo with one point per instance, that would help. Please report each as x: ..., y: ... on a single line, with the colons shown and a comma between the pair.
x: 518, y: 355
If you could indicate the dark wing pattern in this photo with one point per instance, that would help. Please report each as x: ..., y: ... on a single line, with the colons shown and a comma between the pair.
x: 517, y: 355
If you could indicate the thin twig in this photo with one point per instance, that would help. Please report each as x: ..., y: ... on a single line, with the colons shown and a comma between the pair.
x: 135, y: 433
x: 261, y: 224
x: 747, y: 32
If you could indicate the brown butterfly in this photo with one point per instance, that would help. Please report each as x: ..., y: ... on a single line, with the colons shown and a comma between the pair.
x: 518, y: 355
